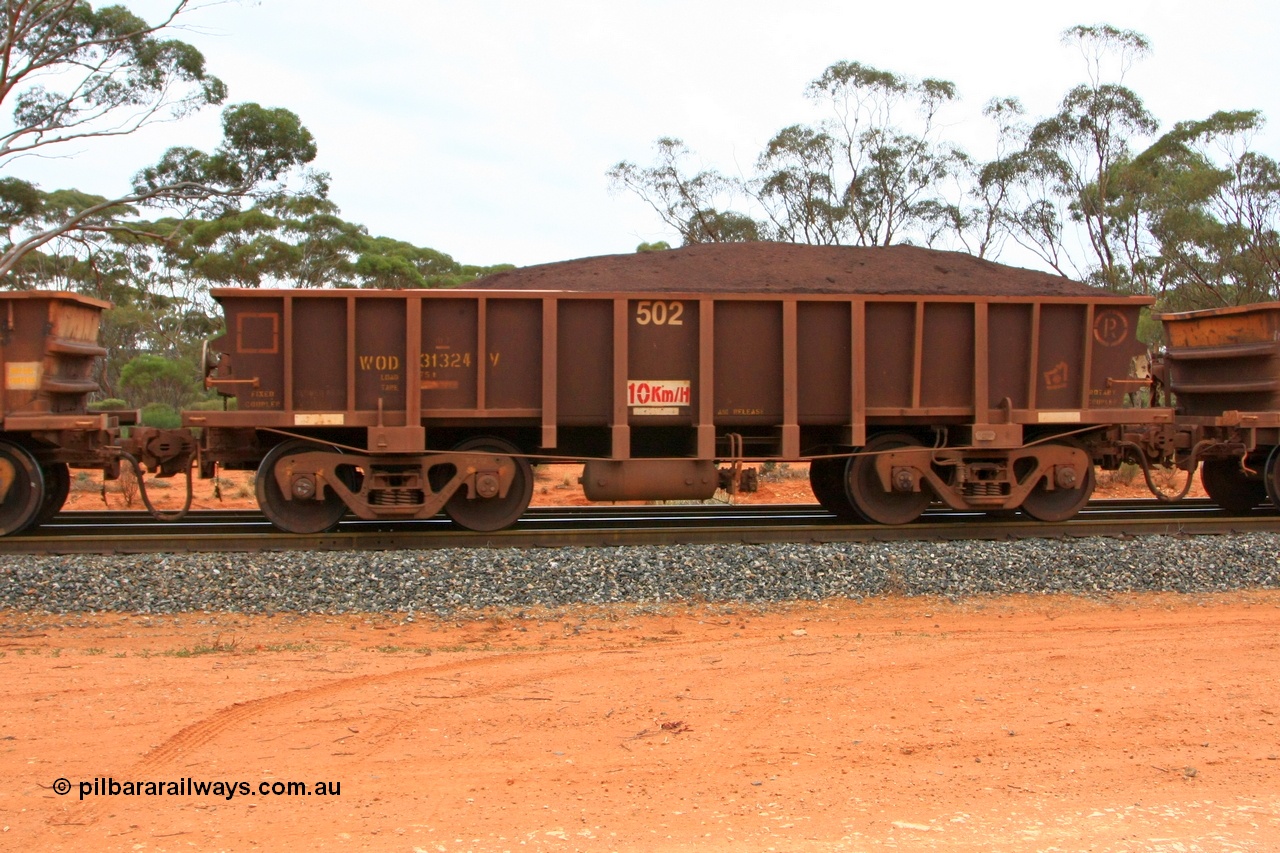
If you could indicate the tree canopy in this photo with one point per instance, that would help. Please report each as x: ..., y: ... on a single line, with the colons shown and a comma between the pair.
x: 246, y: 213
x: 71, y: 73
x: 1093, y: 189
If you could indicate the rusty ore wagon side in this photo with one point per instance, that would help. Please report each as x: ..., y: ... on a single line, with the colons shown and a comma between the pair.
x: 48, y: 349
x: 1222, y: 367
x: 398, y: 404
x: 48, y: 344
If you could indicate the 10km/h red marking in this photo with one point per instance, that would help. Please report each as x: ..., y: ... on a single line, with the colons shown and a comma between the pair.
x: 662, y: 392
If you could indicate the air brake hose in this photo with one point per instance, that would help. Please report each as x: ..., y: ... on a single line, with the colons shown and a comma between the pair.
x: 1146, y: 470
x: 175, y: 515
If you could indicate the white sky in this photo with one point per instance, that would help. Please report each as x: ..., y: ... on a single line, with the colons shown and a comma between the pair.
x: 484, y: 128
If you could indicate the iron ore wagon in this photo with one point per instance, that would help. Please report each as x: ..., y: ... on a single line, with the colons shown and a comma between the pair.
x: 48, y: 352
x: 48, y: 345
x: 1222, y: 366
x: 397, y: 404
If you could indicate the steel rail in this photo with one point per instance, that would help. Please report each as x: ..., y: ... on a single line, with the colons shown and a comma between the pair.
x: 242, y: 530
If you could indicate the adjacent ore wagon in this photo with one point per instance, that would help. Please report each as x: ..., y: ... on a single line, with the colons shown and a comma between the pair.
x: 48, y: 348
x: 397, y: 404
x: 1222, y: 367
x: 49, y: 354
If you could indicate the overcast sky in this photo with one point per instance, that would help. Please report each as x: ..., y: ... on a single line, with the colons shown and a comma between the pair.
x: 484, y: 128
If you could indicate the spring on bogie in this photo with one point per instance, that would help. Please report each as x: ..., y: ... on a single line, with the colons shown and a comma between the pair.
x: 984, y: 489
x: 396, y: 497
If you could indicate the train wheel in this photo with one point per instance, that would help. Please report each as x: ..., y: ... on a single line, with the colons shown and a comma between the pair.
x: 826, y: 479
x: 57, y: 485
x: 1060, y: 504
x: 496, y: 513
x: 22, y: 483
x: 301, y: 515
x: 1271, y: 477
x: 1229, y: 487
x: 868, y: 496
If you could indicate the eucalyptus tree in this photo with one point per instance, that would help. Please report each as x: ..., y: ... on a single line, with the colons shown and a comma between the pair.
x: 797, y: 186
x: 1069, y: 165
x: 295, y: 240
x: 390, y: 263
x: 1209, y: 212
x: 887, y: 160
x: 71, y: 73
x: 693, y: 204
x: 982, y: 218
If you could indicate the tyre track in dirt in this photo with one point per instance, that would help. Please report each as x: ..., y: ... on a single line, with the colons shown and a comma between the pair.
x: 204, y: 731
x: 993, y: 725
x: 225, y: 721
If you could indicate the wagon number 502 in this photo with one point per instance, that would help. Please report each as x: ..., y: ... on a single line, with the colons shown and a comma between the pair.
x: 659, y: 313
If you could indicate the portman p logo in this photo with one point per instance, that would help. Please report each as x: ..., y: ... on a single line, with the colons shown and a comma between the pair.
x: 657, y: 396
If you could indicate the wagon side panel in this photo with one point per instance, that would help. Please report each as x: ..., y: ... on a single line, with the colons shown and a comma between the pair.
x: 253, y: 352
x: 824, y: 363
x: 947, y: 360
x: 381, y: 360
x: 1012, y: 354
x: 450, y: 363
x: 319, y: 355
x: 890, y: 357
x: 584, y: 370
x: 749, y: 360
x: 513, y: 360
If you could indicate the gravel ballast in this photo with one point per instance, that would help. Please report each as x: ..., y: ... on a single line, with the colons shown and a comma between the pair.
x: 447, y: 581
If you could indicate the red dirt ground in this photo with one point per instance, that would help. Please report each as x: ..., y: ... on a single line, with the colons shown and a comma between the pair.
x: 1054, y: 723
x: 1051, y: 723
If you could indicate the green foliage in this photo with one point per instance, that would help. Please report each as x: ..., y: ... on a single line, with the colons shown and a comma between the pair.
x: 1208, y: 210
x: 715, y: 226
x: 153, y: 378
x: 1068, y: 171
x: 659, y: 246
x: 1191, y: 217
x: 300, y: 240
x: 119, y: 74
x: 216, y: 405
x: 798, y: 185
x: 384, y: 262
x: 691, y: 203
x: 19, y: 201
x: 876, y: 174
x: 860, y: 177
x: 161, y: 416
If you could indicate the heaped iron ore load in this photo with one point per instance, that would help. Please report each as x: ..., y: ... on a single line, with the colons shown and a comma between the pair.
x: 790, y: 268
x: 902, y: 376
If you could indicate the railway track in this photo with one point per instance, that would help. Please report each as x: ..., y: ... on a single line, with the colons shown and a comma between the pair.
x: 246, y: 530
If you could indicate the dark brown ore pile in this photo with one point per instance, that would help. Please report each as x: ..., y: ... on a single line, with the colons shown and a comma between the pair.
x: 789, y: 268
